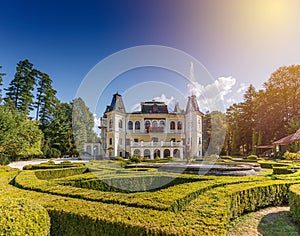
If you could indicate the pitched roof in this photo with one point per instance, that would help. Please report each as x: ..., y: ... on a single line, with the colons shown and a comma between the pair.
x: 296, y: 136
x: 289, y: 139
x: 192, y: 104
x: 285, y: 140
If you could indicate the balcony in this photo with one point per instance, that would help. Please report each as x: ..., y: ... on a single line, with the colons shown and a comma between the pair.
x: 155, y: 129
x: 156, y: 144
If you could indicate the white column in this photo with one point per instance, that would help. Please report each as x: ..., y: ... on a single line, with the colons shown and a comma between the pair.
x: 151, y: 153
x: 181, y: 153
x: 161, y: 153
x: 171, y: 152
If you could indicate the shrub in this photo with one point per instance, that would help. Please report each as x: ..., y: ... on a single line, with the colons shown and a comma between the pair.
x: 119, y: 159
x: 50, y: 162
x: 23, y: 217
x: 282, y: 171
x: 252, y: 157
x: 59, y: 173
x: 135, y: 159
x: 294, y: 202
x: 291, y: 155
x: 66, y: 162
x: 226, y: 157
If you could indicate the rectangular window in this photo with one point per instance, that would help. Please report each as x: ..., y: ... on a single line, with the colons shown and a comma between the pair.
x: 127, y: 141
x: 136, y: 140
x: 110, y: 141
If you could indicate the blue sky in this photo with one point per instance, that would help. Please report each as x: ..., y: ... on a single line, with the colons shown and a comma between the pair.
x: 238, y: 41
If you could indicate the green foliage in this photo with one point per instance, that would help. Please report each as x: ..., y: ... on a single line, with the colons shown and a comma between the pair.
x: 19, y: 92
x: 252, y: 157
x: 1, y: 83
x: 59, y: 173
x: 291, y: 155
x: 226, y: 157
x: 23, y: 217
x: 135, y: 159
x: 19, y: 136
x: 294, y: 202
x: 282, y: 170
x: 58, y: 133
x: 82, y: 124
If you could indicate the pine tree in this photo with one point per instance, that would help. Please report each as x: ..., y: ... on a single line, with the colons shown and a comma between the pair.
x: 82, y: 124
x: 1, y: 83
x: 20, y: 90
x: 45, y: 99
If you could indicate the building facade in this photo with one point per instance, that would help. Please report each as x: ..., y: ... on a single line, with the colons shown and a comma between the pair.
x: 153, y: 131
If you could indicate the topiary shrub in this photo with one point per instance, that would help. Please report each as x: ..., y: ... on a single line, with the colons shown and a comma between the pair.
x: 135, y: 159
x: 23, y: 217
x: 252, y: 157
x: 226, y: 157
x: 66, y: 162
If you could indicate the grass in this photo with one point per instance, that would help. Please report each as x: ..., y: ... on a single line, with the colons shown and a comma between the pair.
x: 273, y: 221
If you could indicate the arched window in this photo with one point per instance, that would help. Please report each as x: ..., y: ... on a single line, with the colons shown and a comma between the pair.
x: 179, y: 125
x: 130, y: 125
x: 147, y: 124
x: 154, y: 123
x: 120, y: 124
x: 162, y: 123
x: 172, y: 125
x: 110, y: 123
x: 137, y: 125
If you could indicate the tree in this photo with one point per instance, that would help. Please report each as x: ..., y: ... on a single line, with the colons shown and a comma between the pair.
x: 1, y: 83
x: 58, y: 133
x: 20, y: 137
x: 45, y: 99
x: 82, y: 124
x: 20, y: 90
x: 214, y: 129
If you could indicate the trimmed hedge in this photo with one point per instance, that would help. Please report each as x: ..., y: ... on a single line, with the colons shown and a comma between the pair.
x: 294, y: 202
x: 59, y: 173
x: 131, y: 183
x: 173, y: 198
x: 23, y: 217
x: 203, y: 207
x: 47, y: 165
x: 282, y: 170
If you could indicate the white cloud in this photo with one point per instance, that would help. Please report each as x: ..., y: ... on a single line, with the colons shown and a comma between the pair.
x: 211, y: 96
x: 243, y: 87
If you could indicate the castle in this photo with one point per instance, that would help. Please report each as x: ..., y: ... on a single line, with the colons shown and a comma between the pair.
x: 153, y: 131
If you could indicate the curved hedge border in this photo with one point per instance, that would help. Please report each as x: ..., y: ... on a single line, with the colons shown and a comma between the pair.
x: 23, y: 217
x: 59, y: 173
x: 174, y: 198
x: 207, y: 214
x: 294, y: 202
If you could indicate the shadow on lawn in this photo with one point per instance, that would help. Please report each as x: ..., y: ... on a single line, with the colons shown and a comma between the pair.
x: 278, y: 224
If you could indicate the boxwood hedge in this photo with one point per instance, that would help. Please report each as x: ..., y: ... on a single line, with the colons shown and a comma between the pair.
x: 294, y: 202
x: 203, y: 207
x: 23, y: 217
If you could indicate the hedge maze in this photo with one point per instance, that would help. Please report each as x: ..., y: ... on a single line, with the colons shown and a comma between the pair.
x: 94, y: 201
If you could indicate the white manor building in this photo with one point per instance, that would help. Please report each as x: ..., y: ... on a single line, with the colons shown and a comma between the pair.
x: 153, y: 131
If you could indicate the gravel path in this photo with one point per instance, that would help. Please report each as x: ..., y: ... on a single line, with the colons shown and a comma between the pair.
x: 21, y: 164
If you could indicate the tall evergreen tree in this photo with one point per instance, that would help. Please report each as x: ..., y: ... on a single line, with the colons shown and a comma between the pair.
x: 45, y: 99
x: 1, y: 83
x: 20, y: 90
x: 82, y: 124
x: 58, y: 133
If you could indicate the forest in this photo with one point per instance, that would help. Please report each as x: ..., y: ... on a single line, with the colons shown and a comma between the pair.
x: 34, y: 123
x: 263, y: 116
